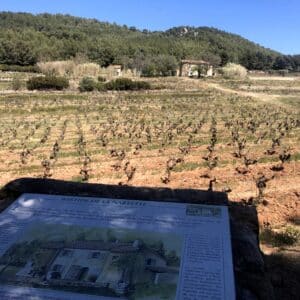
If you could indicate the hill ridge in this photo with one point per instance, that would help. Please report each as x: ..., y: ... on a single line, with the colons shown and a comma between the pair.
x: 47, y: 36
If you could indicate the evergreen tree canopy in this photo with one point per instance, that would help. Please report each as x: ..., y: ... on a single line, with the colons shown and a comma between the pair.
x: 26, y: 38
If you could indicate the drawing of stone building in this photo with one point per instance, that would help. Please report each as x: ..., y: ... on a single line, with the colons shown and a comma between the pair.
x: 113, y: 265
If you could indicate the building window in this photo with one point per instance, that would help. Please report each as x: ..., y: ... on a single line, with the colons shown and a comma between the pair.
x: 150, y: 262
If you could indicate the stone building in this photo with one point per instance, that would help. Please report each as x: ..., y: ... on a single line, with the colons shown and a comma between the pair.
x: 195, y: 68
x: 114, y: 70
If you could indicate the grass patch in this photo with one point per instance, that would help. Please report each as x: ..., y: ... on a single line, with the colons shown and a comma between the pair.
x: 77, y: 179
x: 289, y: 236
x: 4, y: 85
x: 189, y: 166
x: 275, y: 158
x: 291, y: 101
x: 43, y: 96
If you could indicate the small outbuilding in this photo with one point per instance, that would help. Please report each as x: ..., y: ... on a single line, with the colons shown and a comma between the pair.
x: 114, y: 70
x: 111, y: 71
x: 195, y: 68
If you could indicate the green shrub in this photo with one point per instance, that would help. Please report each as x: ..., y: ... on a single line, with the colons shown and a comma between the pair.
x: 142, y: 85
x: 119, y: 84
x: 16, y: 68
x: 16, y: 83
x: 159, y: 65
x: 87, y: 84
x: 101, y: 79
x: 101, y: 87
x: 288, y: 236
x: 125, y: 84
x: 47, y: 83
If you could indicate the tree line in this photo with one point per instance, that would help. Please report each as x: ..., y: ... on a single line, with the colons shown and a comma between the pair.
x: 26, y: 39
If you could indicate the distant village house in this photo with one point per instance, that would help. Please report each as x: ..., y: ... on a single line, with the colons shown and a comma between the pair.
x: 195, y: 68
x: 113, y: 71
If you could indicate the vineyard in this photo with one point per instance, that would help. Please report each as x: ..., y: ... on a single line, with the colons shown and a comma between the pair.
x: 199, y: 138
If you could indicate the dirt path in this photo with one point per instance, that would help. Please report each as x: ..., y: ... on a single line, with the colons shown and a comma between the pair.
x: 259, y: 96
x: 217, y: 86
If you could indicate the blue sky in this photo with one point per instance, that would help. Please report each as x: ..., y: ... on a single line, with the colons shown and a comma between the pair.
x: 272, y: 23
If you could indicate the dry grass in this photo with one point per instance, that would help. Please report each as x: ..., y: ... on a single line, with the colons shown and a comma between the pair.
x: 70, y: 69
x: 59, y: 68
x: 87, y: 69
x: 232, y: 70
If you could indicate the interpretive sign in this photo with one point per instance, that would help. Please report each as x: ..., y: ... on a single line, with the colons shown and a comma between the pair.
x: 64, y: 247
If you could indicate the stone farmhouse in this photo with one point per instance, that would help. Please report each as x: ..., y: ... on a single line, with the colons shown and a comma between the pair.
x: 195, y: 68
x: 112, y: 71
x: 99, y: 264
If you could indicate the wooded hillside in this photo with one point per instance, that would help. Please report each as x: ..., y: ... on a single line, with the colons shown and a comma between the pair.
x: 26, y: 39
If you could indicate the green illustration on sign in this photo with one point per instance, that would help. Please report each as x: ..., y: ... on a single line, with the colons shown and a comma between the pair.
x: 98, y: 261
